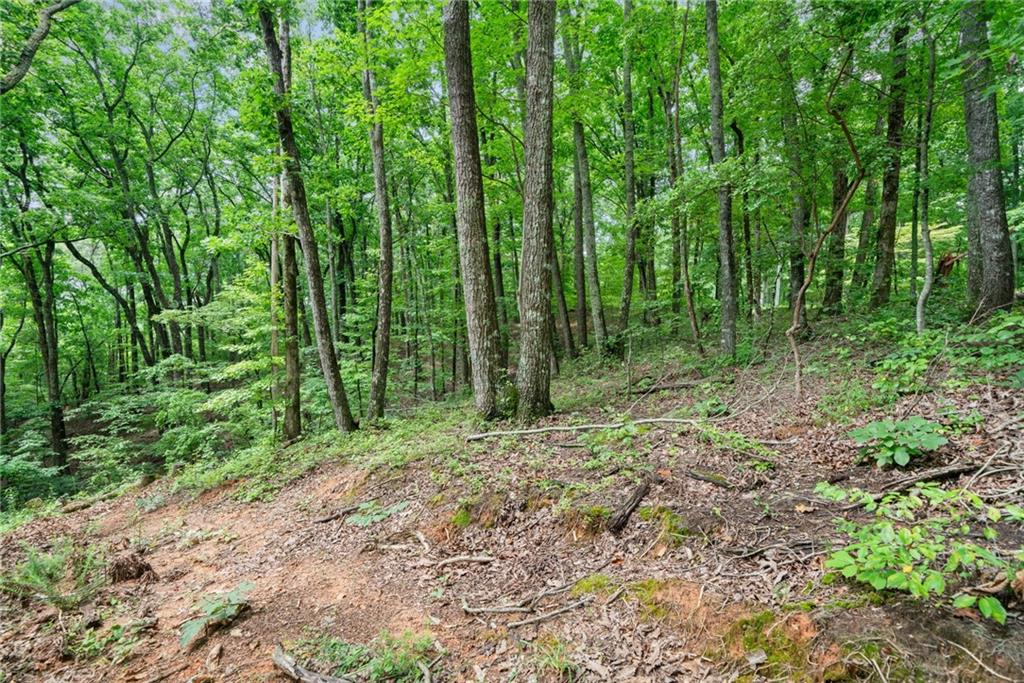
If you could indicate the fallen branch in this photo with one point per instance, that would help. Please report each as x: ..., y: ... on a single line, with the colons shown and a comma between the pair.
x: 464, y: 558
x: 937, y: 474
x: 341, y: 513
x: 77, y: 505
x: 583, y: 428
x: 498, y: 609
x: 617, y: 522
x: 548, y: 615
x: 681, y: 385
x: 287, y: 664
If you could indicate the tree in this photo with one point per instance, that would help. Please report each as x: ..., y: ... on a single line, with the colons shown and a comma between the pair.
x: 477, y: 291
x: 533, y: 378
x: 990, y: 276
x: 922, y: 153
x: 628, y: 137
x: 297, y: 189
x: 726, y: 253
x: 885, y: 241
x: 573, y: 56
x: 385, y: 268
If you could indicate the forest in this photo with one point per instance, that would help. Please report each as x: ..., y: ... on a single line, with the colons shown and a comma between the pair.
x: 546, y: 340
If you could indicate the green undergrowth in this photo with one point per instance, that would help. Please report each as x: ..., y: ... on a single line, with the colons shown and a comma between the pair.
x: 65, y: 577
x: 388, y: 657
x: 265, y: 468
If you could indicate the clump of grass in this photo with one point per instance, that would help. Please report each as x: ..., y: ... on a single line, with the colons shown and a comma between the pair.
x: 387, y: 658
x: 66, y: 577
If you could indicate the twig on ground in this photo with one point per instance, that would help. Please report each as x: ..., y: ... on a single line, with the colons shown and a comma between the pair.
x: 980, y: 663
x: 548, y: 615
x: 340, y: 513
x: 481, y: 559
x: 167, y: 674
x: 287, y: 664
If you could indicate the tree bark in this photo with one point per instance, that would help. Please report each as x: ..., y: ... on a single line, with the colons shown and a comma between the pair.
x: 834, y: 271
x: 628, y: 137
x: 593, y: 285
x: 990, y: 276
x: 579, y: 267
x: 726, y: 258
x: 385, y: 267
x: 798, y: 217
x: 533, y: 379
x: 867, y: 218
x: 293, y: 168
x: 471, y: 222
x: 35, y: 39
x: 922, y: 153
x: 885, y: 242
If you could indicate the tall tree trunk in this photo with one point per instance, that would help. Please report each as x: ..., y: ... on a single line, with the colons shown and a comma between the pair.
x: 834, y: 271
x: 471, y: 222
x: 385, y: 268
x: 922, y: 152
x: 579, y: 267
x: 498, y: 273
x: 990, y: 276
x: 885, y: 242
x: 563, y: 325
x: 798, y: 217
x: 628, y: 137
x: 726, y: 259
x: 915, y: 205
x: 572, y: 60
x: 867, y: 218
x: 4, y: 355
x: 534, y: 373
x: 748, y: 260
x: 293, y: 169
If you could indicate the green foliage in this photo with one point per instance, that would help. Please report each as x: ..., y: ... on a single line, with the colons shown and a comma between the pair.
x: 65, y: 577
x: 553, y: 655
x: 896, y: 442
x: 387, y: 658
x: 217, y: 610
x: 371, y: 512
x: 920, y: 543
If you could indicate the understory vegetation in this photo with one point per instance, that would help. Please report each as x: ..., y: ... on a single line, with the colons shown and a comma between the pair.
x: 543, y: 340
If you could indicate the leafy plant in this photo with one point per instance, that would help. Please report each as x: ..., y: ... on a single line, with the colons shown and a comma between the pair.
x: 920, y: 543
x: 371, y: 512
x: 387, y: 658
x: 217, y: 610
x: 897, y: 441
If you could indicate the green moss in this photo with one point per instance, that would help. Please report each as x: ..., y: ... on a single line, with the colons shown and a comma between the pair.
x: 673, y: 526
x: 593, y: 584
x: 645, y: 592
x: 785, y: 656
x: 462, y: 517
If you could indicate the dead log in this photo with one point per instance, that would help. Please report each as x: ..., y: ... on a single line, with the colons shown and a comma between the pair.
x: 617, y: 522
x: 287, y: 664
x: 689, y: 384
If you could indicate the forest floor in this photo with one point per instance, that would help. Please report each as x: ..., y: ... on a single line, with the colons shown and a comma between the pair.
x: 492, y: 556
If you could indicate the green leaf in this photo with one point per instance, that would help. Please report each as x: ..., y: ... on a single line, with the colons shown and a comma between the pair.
x: 992, y: 609
x: 964, y: 601
x: 901, y: 456
x: 191, y: 629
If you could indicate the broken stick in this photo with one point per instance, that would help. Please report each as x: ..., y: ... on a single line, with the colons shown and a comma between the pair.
x: 617, y: 522
x: 287, y: 664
